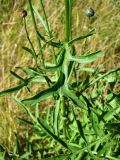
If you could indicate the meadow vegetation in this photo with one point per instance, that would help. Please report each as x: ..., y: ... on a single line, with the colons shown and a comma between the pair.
x: 74, y: 60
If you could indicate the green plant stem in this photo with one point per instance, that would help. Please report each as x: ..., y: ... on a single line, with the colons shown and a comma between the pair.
x: 68, y: 36
x: 67, y: 23
x: 36, y: 29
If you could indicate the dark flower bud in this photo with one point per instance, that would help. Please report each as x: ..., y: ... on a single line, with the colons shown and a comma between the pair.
x: 90, y: 12
x: 23, y: 12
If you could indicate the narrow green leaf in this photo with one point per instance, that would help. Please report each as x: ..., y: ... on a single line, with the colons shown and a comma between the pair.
x: 82, y: 37
x: 59, y: 63
x: 46, y: 129
x: 37, y: 110
x: 47, y: 92
x: 100, y: 77
x: 102, y: 139
x: 30, y: 71
x: 50, y: 42
x: 18, y: 145
x: 89, y: 105
x: 74, y: 147
x: 115, y: 103
x: 25, y: 121
x: 79, y: 126
x: 86, y: 59
x: 26, y: 109
x: 95, y: 124
x: 17, y: 76
x: 87, y: 69
x: 74, y: 98
x: 59, y: 157
x: 25, y: 155
x: 14, y: 89
x: 40, y: 19
x: 71, y: 63
x: 56, y: 113
x: 104, y: 75
x: 30, y: 51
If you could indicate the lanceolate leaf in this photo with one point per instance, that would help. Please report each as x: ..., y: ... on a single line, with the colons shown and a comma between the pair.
x: 100, y: 77
x: 17, y: 76
x: 82, y: 37
x: 44, y: 126
x: 80, y: 128
x: 30, y: 71
x: 47, y: 92
x: 60, y: 61
x: 104, y: 75
x: 74, y: 98
x: 95, y: 124
x: 71, y: 64
x: 56, y: 113
x: 14, y: 89
x: 81, y: 149
x: 30, y: 51
x: 40, y: 19
x: 26, y: 121
x: 86, y: 59
x: 49, y: 42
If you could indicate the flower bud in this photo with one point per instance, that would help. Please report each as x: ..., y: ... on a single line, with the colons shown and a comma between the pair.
x: 23, y: 12
x: 90, y: 12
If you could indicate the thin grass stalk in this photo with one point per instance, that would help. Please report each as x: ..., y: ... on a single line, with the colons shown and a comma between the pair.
x: 36, y: 29
x: 48, y: 27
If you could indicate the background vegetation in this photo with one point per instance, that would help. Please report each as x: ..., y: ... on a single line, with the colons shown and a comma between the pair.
x: 12, y: 37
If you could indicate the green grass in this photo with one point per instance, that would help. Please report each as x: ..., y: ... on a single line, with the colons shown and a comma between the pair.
x: 82, y: 119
